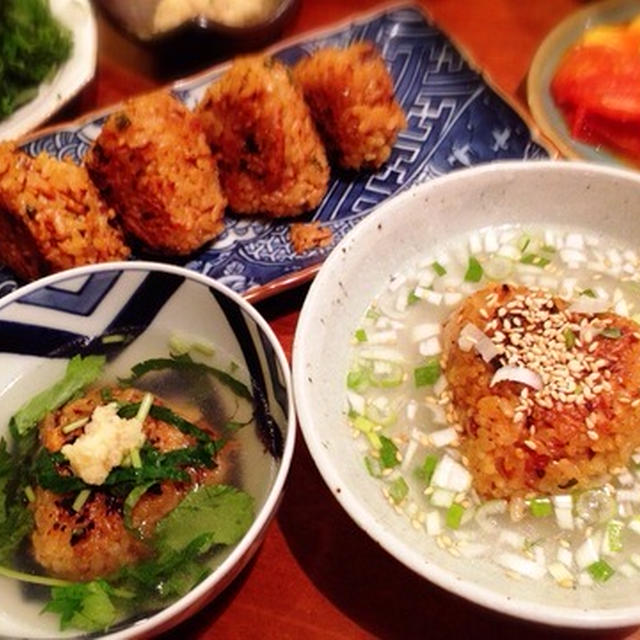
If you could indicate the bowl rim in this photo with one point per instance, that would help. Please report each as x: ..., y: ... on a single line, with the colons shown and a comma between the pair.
x: 541, y: 613
x: 224, y: 573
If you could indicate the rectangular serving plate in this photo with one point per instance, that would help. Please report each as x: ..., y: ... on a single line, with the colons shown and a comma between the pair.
x: 455, y: 119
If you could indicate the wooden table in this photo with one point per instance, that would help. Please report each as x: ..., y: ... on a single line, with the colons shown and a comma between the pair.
x: 317, y: 575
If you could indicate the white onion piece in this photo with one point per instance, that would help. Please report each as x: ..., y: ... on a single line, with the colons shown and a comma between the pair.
x: 517, y: 374
x: 586, y: 304
x: 471, y: 336
x: 522, y: 566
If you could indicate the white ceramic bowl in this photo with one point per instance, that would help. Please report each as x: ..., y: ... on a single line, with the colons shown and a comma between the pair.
x: 48, y: 321
x: 603, y: 200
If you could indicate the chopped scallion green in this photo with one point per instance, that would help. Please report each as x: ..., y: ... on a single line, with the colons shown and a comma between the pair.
x: 398, y: 490
x: 360, y: 335
x: 438, y: 268
x: 373, y: 467
x: 76, y: 424
x: 145, y: 406
x: 474, y: 270
x: 541, y: 507
x: 136, y: 461
x: 613, y: 333
x: 412, y: 298
x: 388, y: 453
x: 113, y: 338
x: 614, y: 535
x: 454, y: 515
x: 569, y: 338
x: 590, y: 293
x: 600, y: 570
x: 358, y: 380
x: 523, y: 242
x: 80, y: 500
x: 29, y: 493
x: 425, y: 472
x: 535, y: 260
x: 427, y: 374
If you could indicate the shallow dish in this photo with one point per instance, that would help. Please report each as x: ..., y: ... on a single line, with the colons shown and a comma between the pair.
x: 455, y: 120
x: 602, y: 200
x: 69, y: 312
x: 545, y: 112
x: 74, y: 74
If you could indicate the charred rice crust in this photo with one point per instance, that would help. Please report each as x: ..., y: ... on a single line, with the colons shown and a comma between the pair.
x: 94, y: 542
x: 269, y: 153
x: 565, y: 456
x: 350, y: 93
x: 152, y: 164
x: 51, y: 216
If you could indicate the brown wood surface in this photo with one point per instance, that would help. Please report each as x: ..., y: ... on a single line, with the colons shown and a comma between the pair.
x: 317, y: 575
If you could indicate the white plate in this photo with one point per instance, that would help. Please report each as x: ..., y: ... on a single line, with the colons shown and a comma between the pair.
x: 74, y: 74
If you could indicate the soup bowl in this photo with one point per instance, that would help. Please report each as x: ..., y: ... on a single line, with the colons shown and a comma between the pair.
x: 130, y: 312
x: 602, y: 202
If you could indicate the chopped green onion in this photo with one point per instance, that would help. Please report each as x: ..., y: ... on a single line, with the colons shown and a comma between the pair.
x: 454, y: 515
x: 80, y: 500
x: 373, y: 467
x: 523, y: 242
x: 368, y: 428
x: 361, y: 335
x: 614, y: 535
x: 428, y: 374
x: 178, y: 345
x: 569, y: 338
x: 113, y: 338
x: 535, y: 260
x: 541, y: 507
x: 612, y: 333
x: 425, y: 472
x: 145, y: 406
x: 600, y: 570
x: 32, y: 579
x: 474, y: 271
x: 398, y: 490
x: 29, y: 493
x: 547, y: 248
x: 372, y: 314
x: 412, y: 298
x: 76, y: 424
x: 590, y: 293
x: 131, y: 501
x: 106, y: 394
x: 136, y: 461
x: 358, y: 380
x: 438, y: 268
x: 392, y: 378
x: 388, y: 453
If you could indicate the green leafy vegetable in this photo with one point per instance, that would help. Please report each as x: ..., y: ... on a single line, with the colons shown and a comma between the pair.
x: 222, y: 512
x: 600, y: 570
x: 454, y: 515
x: 425, y: 472
x: 32, y: 45
x: 185, y: 363
x: 361, y: 335
x: 83, y: 605
x: 474, y: 270
x: 613, y: 333
x: 541, y: 507
x: 80, y: 372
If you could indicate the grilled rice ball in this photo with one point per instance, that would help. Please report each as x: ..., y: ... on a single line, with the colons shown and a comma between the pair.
x: 519, y: 441
x: 51, y: 216
x: 153, y: 166
x: 270, y: 156
x: 350, y: 94
x: 94, y: 541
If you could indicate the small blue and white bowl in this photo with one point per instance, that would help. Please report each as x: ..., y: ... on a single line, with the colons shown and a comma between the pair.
x: 47, y: 322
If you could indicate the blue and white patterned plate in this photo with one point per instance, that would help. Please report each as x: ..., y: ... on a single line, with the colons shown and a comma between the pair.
x: 454, y: 120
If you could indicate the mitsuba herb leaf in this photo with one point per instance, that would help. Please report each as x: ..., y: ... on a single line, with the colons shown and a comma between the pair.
x: 184, y: 362
x: 155, y: 466
x: 223, y: 512
x: 169, y: 575
x: 166, y: 415
x: 15, y: 523
x: 83, y: 605
x: 80, y: 373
